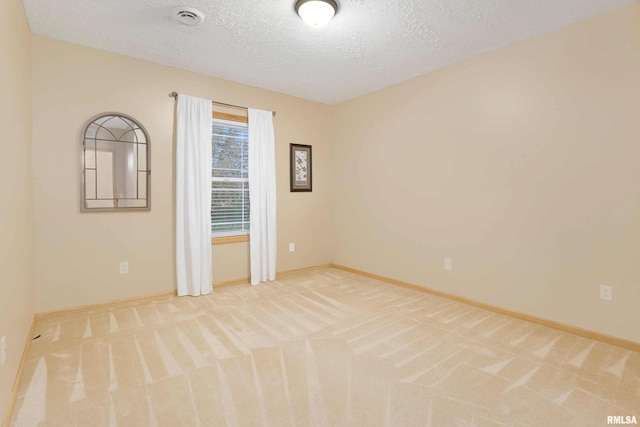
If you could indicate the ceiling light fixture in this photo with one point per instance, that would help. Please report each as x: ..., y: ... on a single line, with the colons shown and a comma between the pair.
x: 316, y: 12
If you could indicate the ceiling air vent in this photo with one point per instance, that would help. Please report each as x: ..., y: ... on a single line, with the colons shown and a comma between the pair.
x: 189, y: 16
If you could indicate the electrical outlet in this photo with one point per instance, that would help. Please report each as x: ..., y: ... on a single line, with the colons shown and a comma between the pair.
x: 3, y: 350
x: 606, y: 292
x: 292, y: 247
x: 448, y: 264
x: 124, y: 267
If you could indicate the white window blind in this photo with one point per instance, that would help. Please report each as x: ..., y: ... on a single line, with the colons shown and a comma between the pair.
x: 230, y: 179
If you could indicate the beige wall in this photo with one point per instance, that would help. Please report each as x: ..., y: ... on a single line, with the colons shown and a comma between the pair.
x: 521, y: 165
x: 76, y: 254
x: 16, y: 287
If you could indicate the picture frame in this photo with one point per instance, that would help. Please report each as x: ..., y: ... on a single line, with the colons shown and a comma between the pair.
x: 300, y: 168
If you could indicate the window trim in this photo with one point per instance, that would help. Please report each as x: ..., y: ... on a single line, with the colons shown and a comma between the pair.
x: 232, y: 117
x: 230, y: 239
x: 237, y: 238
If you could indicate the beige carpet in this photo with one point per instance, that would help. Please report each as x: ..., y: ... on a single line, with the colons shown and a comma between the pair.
x: 318, y: 348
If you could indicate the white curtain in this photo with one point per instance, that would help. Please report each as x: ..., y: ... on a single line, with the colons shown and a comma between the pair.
x: 262, y: 196
x: 193, y: 196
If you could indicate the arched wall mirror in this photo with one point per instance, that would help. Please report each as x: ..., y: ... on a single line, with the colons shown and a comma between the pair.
x: 115, y: 164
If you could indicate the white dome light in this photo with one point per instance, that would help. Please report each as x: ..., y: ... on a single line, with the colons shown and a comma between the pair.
x: 316, y: 12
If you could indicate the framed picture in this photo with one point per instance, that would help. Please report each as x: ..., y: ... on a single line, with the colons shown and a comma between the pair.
x: 300, y: 167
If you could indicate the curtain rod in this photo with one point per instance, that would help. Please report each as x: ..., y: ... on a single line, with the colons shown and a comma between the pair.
x: 174, y: 94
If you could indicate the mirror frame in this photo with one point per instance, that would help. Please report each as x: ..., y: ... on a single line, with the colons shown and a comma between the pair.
x: 83, y: 199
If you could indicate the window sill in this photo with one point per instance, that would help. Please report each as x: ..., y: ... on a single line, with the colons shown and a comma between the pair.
x: 229, y: 239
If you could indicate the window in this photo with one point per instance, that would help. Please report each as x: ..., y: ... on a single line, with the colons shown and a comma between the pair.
x: 230, y: 178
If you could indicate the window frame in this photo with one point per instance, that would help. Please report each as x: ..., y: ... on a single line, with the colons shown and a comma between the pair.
x: 237, y: 238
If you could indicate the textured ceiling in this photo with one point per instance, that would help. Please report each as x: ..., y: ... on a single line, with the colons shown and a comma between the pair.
x: 370, y: 44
